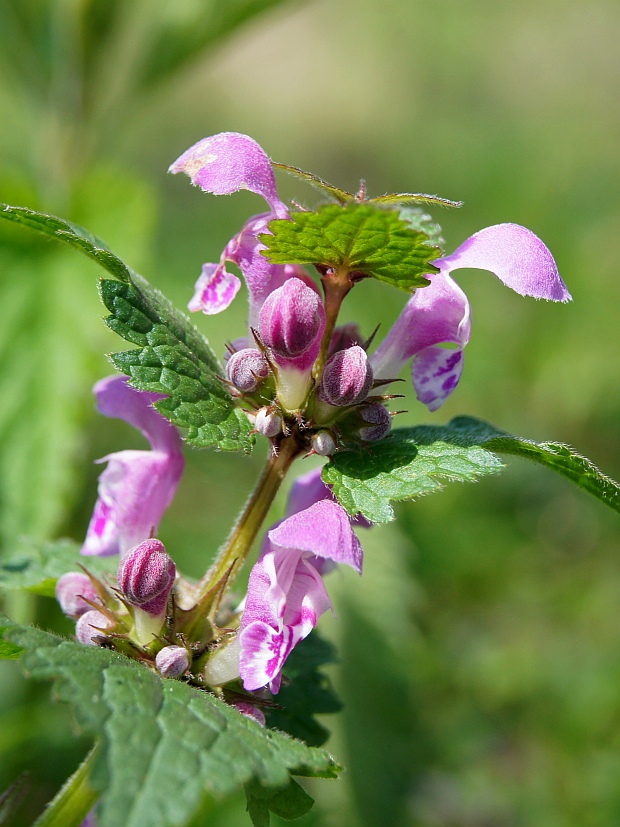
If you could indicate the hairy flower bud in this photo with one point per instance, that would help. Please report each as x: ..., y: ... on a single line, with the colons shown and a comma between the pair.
x: 91, y: 625
x: 172, y: 661
x: 268, y: 423
x: 146, y: 575
x: 292, y: 319
x: 378, y: 419
x: 323, y: 444
x: 347, y: 377
x: 246, y: 369
x: 71, y: 589
x: 250, y: 711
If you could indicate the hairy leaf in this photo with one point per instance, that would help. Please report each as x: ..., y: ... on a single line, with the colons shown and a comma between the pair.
x: 36, y: 565
x: 173, y: 358
x: 340, y: 195
x: 407, y: 198
x: 411, y: 462
x: 363, y: 238
x: 8, y: 650
x: 71, y: 234
x: 164, y: 743
x: 306, y: 692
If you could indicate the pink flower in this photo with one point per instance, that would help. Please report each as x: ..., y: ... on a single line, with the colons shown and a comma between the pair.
x: 439, y: 314
x: 286, y: 593
x: 137, y: 486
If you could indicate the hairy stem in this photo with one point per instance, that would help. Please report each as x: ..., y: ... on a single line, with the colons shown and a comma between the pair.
x: 237, y: 547
x: 75, y: 799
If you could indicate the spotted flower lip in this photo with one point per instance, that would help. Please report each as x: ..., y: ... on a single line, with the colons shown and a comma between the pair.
x: 439, y: 314
x: 137, y: 486
x: 286, y: 593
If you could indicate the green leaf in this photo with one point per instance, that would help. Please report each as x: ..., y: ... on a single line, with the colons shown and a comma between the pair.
x: 340, y: 195
x: 288, y: 803
x: 306, y: 692
x: 407, y: 198
x: 411, y: 462
x: 164, y: 744
x: 408, y: 463
x: 36, y: 565
x: 173, y: 358
x: 363, y: 238
x: 71, y: 234
x: 11, y: 799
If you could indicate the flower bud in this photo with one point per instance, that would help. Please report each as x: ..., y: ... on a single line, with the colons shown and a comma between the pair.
x: 292, y: 319
x: 146, y: 575
x: 246, y: 369
x: 268, y: 423
x: 71, y: 589
x: 223, y: 665
x: 91, y: 625
x: 323, y: 444
x: 347, y: 377
x: 378, y: 419
x: 172, y: 661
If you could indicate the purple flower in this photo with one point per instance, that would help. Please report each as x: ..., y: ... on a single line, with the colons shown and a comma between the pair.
x: 286, y: 593
x: 347, y: 377
x: 439, y: 314
x: 73, y: 589
x: 137, y: 486
x: 146, y: 575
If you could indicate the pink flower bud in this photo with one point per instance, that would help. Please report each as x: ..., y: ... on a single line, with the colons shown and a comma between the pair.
x: 250, y: 711
x: 71, y: 589
x: 323, y: 444
x: 91, y: 625
x: 146, y: 575
x: 268, y: 423
x: 347, y: 377
x: 292, y: 319
x: 172, y: 661
x: 378, y: 419
x: 246, y: 369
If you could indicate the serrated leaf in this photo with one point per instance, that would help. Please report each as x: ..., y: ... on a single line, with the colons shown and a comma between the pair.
x: 8, y: 650
x: 417, y: 219
x: 411, y: 462
x: 36, y: 565
x: 289, y: 803
x: 71, y: 234
x: 408, y: 463
x: 164, y: 743
x: 173, y: 358
x: 363, y: 238
x: 306, y: 692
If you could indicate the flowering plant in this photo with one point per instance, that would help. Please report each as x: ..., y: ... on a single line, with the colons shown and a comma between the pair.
x: 208, y: 683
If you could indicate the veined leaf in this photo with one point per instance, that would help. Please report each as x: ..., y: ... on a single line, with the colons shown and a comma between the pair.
x: 363, y: 238
x: 289, y: 802
x: 411, y: 462
x: 164, y: 744
x: 407, y: 198
x: 172, y: 359
x: 340, y: 195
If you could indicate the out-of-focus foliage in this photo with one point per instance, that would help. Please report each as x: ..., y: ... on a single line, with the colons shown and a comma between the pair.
x: 496, y: 699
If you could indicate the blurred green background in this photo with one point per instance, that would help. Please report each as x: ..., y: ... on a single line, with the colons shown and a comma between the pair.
x: 481, y: 649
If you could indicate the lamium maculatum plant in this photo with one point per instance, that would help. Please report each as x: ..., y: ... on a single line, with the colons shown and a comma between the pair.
x: 199, y: 674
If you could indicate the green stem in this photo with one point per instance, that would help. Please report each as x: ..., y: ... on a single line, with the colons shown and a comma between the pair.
x: 75, y: 799
x: 239, y: 543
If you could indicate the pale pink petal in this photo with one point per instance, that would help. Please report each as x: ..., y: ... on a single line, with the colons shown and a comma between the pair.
x: 214, y: 290
x: 263, y: 652
x: 307, y: 490
x: 516, y: 256
x: 225, y: 163
x: 435, y: 373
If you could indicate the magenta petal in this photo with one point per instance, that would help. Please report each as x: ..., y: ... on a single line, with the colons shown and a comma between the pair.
x: 214, y: 290
x: 435, y: 373
x: 433, y: 315
x: 516, y: 256
x: 225, y: 163
x: 325, y: 530
x: 263, y: 652
x: 307, y: 490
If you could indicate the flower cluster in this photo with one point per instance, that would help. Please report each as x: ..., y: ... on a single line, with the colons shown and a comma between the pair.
x: 309, y: 387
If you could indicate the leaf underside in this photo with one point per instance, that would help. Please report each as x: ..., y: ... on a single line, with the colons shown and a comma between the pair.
x: 164, y: 743
x: 412, y: 462
x: 363, y: 238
